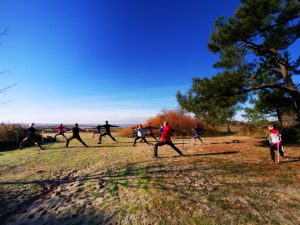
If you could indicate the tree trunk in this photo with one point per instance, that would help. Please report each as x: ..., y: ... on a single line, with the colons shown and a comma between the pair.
x: 296, y: 105
x: 279, y: 116
x: 228, y: 127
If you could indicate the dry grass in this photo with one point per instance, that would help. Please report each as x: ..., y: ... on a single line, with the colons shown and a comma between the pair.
x: 217, y: 183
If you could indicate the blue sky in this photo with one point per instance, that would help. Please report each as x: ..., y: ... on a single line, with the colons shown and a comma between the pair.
x: 88, y: 61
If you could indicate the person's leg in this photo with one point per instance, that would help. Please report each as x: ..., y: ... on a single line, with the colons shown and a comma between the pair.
x: 64, y: 136
x: 200, y: 139
x: 100, y: 137
x: 25, y: 140
x: 137, y: 138
x: 272, y: 153
x: 194, y: 140
x: 37, y: 143
x: 170, y: 143
x: 144, y: 139
x: 80, y: 140
x: 282, y: 153
x: 159, y: 143
x: 112, y: 137
x: 68, y: 140
x: 152, y: 135
x: 56, y: 136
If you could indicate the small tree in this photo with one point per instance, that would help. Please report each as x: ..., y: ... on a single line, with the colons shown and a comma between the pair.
x: 213, y: 100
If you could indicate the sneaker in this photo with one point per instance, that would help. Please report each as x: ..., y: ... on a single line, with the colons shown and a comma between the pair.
x: 99, y: 143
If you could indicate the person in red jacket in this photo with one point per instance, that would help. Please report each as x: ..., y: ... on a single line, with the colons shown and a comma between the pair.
x: 166, y: 132
x: 60, y: 131
x: 275, y: 143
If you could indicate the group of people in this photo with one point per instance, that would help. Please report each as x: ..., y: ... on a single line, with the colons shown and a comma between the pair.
x: 139, y: 133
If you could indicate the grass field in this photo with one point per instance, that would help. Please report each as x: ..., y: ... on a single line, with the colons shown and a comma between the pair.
x: 219, y: 182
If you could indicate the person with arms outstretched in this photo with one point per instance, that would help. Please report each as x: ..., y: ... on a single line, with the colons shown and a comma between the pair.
x: 150, y: 132
x: 107, y: 127
x: 97, y: 131
x: 197, y: 130
x: 75, y: 131
x: 166, y: 132
x: 140, y: 134
x: 32, y: 137
x: 60, y: 131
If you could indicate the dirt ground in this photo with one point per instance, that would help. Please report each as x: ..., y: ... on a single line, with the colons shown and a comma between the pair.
x: 226, y: 180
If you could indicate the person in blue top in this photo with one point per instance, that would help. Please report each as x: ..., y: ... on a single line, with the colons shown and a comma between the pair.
x: 97, y: 130
x: 196, y: 131
x: 107, y: 127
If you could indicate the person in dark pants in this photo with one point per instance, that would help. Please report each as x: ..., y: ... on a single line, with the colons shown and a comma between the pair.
x: 150, y: 133
x: 275, y: 143
x: 197, y: 130
x: 75, y: 131
x: 31, y: 137
x: 140, y: 134
x: 166, y: 132
x: 107, y: 127
x: 60, y: 131
x: 97, y: 131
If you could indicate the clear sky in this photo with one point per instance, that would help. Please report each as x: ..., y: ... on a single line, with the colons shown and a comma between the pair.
x: 89, y: 61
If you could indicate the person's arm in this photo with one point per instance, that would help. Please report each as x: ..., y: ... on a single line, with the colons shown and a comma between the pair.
x: 113, y: 125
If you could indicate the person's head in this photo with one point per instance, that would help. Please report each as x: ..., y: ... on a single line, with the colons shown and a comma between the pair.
x: 31, y: 125
x: 141, y: 126
x: 271, y: 127
x: 61, y: 124
x: 165, y: 123
x: 106, y: 122
x: 76, y: 124
x: 149, y: 124
x: 198, y: 125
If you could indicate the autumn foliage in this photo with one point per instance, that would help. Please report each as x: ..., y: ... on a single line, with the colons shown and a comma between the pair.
x: 180, y: 121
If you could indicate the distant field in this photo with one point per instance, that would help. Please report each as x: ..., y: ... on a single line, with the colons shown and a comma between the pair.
x: 220, y: 182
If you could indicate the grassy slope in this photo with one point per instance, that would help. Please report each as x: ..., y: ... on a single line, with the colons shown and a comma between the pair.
x: 217, y: 183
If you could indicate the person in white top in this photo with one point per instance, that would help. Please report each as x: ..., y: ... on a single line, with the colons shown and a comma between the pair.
x: 275, y: 143
x: 140, y: 134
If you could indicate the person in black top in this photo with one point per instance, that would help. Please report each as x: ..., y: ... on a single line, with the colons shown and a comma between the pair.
x: 76, y: 135
x: 97, y: 131
x: 107, y: 127
x: 31, y: 137
x: 150, y: 133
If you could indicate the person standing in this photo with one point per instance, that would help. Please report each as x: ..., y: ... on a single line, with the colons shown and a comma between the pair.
x: 275, y: 143
x: 97, y: 131
x: 140, y: 134
x: 107, y: 127
x: 166, y: 132
x: 60, y: 131
x: 31, y: 137
x: 75, y: 131
x: 197, y: 130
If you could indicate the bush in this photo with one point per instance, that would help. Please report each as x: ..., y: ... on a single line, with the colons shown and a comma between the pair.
x: 8, y: 134
x: 291, y: 135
